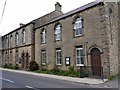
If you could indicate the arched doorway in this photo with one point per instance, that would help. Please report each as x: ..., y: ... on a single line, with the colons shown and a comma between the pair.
x: 95, y: 62
x: 27, y: 60
x: 23, y: 60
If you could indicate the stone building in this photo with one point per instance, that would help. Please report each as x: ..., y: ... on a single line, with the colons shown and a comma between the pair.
x: 86, y: 38
x: 18, y: 45
x: 0, y: 51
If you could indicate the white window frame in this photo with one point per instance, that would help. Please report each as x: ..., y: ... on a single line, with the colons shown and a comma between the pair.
x: 11, y: 57
x: 58, y: 51
x: 43, y: 36
x: 79, y: 48
x: 24, y: 37
x: 58, y: 34
x: 17, y: 57
x: 17, y: 39
x: 80, y: 26
x: 11, y: 38
x: 6, y: 42
x: 42, y: 57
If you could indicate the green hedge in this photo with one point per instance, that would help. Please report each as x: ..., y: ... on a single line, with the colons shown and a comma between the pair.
x: 56, y: 71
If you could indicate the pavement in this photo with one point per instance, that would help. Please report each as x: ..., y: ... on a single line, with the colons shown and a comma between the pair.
x: 115, y: 83
x: 91, y: 81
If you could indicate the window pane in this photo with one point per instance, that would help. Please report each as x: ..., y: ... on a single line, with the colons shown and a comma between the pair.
x: 58, y: 56
x: 58, y: 32
x: 10, y: 57
x: 82, y: 62
x: 17, y: 57
x: 24, y: 36
x: 58, y: 60
x: 78, y: 60
x: 78, y: 26
x: 79, y: 56
x: 80, y: 30
x: 16, y: 39
x: 43, y: 57
x: 81, y: 52
x: 78, y: 53
x: 43, y: 37
x: 57, y: 36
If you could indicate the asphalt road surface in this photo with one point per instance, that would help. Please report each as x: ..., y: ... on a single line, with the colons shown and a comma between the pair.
x: 17, y: 80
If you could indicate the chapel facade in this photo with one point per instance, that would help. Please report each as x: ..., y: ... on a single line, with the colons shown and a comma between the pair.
x: 85, y: 37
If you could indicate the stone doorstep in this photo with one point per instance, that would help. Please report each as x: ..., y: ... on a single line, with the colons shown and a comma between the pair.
x: 66, y: 78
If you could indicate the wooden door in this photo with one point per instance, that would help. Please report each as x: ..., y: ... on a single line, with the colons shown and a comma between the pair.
x: 96, y: 62
x: 22, y: 61
x: 27, y: 61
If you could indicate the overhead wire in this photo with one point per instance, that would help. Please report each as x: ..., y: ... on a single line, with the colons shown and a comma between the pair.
x: 3, y: 12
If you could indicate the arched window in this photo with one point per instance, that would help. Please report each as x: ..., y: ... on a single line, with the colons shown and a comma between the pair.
x: 10, y: 57
x: 17, y: 57
x: 78, y: 26
x: 58, y: 32
x: 6, y: 42
x: 11, y: 39
x: 23, y: 36
x: 16, y: 38
x: 43, y: 36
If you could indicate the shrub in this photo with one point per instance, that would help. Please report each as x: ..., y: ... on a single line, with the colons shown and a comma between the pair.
x: 111, y: 77
x: 5, y: 66
x: 10, y: 66
x: 16, y: 67
x: 33, y: 66
x: 71, y: 69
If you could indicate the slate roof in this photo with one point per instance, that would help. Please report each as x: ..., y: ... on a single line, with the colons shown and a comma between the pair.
x: 82, y: 8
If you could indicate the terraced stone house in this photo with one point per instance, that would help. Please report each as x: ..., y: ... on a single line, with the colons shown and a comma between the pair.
x: 86, y: 37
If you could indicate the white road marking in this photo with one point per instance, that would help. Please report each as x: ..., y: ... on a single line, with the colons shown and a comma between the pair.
x: 7, y: 80
x: 31, y: 87
x: 28, y: 86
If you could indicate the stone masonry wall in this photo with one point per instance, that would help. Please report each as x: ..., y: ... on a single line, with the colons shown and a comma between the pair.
x: 93, y: 36
x: 112, y: 35
x: 0, y: 50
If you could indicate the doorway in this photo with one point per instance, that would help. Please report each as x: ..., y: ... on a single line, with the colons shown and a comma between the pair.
x: 96, y: 62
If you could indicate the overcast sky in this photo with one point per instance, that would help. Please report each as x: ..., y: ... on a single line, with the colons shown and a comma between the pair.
x: 24, y: 11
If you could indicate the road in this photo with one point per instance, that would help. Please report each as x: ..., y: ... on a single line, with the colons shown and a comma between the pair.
x: 17, y: 80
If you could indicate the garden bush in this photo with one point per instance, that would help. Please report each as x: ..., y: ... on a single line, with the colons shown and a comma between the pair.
x: 71, y: 69
x: 33, y: 66
x: 16, y: 67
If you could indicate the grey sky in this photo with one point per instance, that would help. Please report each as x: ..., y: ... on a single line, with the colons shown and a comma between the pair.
x: 24, y: 11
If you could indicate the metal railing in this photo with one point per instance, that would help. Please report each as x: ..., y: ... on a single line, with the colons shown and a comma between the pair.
x: 88, y: 69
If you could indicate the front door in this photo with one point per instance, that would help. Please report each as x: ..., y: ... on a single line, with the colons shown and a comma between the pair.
x: 96, y: 62
x: 22, y: 61
x: 27, y: 61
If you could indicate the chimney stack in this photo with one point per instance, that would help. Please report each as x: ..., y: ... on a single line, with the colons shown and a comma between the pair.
x: 58, y: 6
